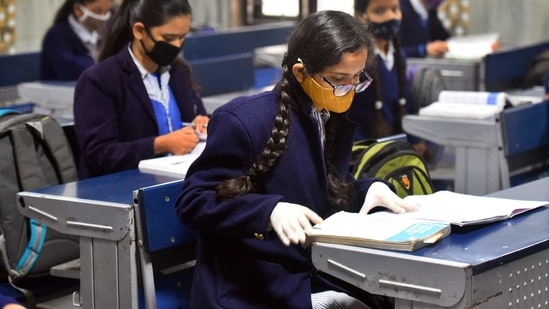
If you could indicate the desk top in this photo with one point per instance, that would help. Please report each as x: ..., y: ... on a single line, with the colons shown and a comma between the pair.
x: 483, y: 248
x: 115, y: 188
x: 491, y: 245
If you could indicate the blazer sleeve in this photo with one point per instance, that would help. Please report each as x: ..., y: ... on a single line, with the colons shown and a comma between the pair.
x: 113, y: 131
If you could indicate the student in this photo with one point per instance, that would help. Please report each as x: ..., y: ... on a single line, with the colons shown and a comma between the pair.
x: 274, y: 165
x: 132, y: 104
x: 69, y: 46
x: 422, y: 33
x: 378, y: 111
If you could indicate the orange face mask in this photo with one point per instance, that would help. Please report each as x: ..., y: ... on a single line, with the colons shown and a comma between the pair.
x: 324, y: 98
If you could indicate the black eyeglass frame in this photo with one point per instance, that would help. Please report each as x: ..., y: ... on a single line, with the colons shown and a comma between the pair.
x: 341, y: 90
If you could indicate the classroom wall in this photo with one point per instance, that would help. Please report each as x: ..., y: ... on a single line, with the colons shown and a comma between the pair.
x: 518, y: 22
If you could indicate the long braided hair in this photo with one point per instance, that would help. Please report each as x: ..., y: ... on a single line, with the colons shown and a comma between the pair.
x: 320, y: 40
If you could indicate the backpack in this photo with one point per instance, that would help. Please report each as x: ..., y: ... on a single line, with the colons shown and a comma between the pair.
x: 34, y: 153
x: 426, y: 85
x: 394, y: 161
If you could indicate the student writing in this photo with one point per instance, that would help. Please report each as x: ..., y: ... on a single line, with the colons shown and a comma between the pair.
x: 131, y: 105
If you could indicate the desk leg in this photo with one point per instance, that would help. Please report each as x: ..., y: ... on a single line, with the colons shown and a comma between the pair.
x: 108, y: 276
x: 478, y: 171
x: 86, y: 272
x: 403, y: 304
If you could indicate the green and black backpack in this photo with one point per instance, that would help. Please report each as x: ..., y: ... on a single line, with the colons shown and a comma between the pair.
x: 393, y: 160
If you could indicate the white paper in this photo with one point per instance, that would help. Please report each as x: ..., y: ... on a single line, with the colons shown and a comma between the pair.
x: 463, y: 209
x: 473, y: 46
x: 176, y: 165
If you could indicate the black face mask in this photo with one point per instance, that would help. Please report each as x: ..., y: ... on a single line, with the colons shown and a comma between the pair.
x: 385, y: 30
x: 163, y: 53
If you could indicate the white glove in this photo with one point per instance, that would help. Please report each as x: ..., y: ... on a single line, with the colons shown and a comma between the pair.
x: 291, y: 222
x: 379, y: 194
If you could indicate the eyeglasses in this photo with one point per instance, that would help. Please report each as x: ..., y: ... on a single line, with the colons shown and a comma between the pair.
x: 341, y: 90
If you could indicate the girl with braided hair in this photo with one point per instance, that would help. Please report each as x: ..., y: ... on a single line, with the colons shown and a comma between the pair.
x: 378, y: 111
x: 274, y: 165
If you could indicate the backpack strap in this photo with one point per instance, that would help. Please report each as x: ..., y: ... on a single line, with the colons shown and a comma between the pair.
x: 54, y: 139
x: 36, y: 241
x: 25, y: 159
x: 7, y: 111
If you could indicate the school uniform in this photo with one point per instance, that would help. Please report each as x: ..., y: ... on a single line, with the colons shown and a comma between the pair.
x: 6, y: 300
x: 114, y: 117
x: 64, y: 56
x: 363, y: 110
x: 416, y: 31
x: 240, y: 262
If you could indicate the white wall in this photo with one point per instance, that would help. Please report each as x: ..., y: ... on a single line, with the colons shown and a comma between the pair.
x: 518, y: 22
x: 33, y: 18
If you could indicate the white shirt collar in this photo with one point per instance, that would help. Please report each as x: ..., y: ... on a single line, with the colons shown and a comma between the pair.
x: 82, y: 32
x: 389, y: 58
x: 420, y: 8
x: 141, y: 69
x: 158, y: 92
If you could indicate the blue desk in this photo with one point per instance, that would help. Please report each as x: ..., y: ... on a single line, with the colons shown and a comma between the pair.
x: 501, y: 265
x: 103, y: 212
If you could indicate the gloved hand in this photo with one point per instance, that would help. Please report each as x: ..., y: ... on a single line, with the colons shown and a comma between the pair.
x: 291, y: 222
x: 379, y: 194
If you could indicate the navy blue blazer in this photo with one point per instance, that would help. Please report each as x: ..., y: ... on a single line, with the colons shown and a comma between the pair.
x: 415, y: 33
x: 363, y: 110
x: 114, y: 118
x: 63, y: 56
x: 240, y: 263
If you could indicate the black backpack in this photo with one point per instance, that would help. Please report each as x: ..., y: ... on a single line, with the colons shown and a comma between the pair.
x: 34, y: 153
x: 426, y: 85
x: 395, y: 161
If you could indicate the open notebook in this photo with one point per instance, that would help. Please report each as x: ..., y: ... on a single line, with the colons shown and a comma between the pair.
x: 465, y: 209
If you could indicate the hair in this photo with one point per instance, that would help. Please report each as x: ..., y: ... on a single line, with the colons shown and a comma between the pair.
x: 320, y: 40
x: 151, y: 13
x: 379, y: 126
x: 67, y: 9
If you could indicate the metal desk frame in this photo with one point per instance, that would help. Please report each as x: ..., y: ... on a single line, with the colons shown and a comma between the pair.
x: 102, y: 212
x: 487, y: 151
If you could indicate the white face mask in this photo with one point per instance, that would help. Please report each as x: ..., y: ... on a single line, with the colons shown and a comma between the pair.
x: 93, y: 21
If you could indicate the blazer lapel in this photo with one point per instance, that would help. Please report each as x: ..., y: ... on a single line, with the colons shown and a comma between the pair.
x: 135, y: 83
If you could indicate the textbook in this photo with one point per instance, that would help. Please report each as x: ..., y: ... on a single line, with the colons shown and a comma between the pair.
x: 380, y: 230
x: 466, y: 104
x: 465, y: 209
x: 172, y: 165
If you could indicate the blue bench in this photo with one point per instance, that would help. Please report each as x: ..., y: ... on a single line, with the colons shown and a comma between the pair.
x: 525, y: 135
x: 235, y: 41
x: 165, y: 248
x: 506, y: 69
x: 222, y: 74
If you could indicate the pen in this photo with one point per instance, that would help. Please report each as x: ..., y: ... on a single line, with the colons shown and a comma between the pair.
x: 192, y: 124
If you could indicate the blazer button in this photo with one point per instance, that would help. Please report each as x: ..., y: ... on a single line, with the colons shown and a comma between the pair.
x: 259, y: 236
